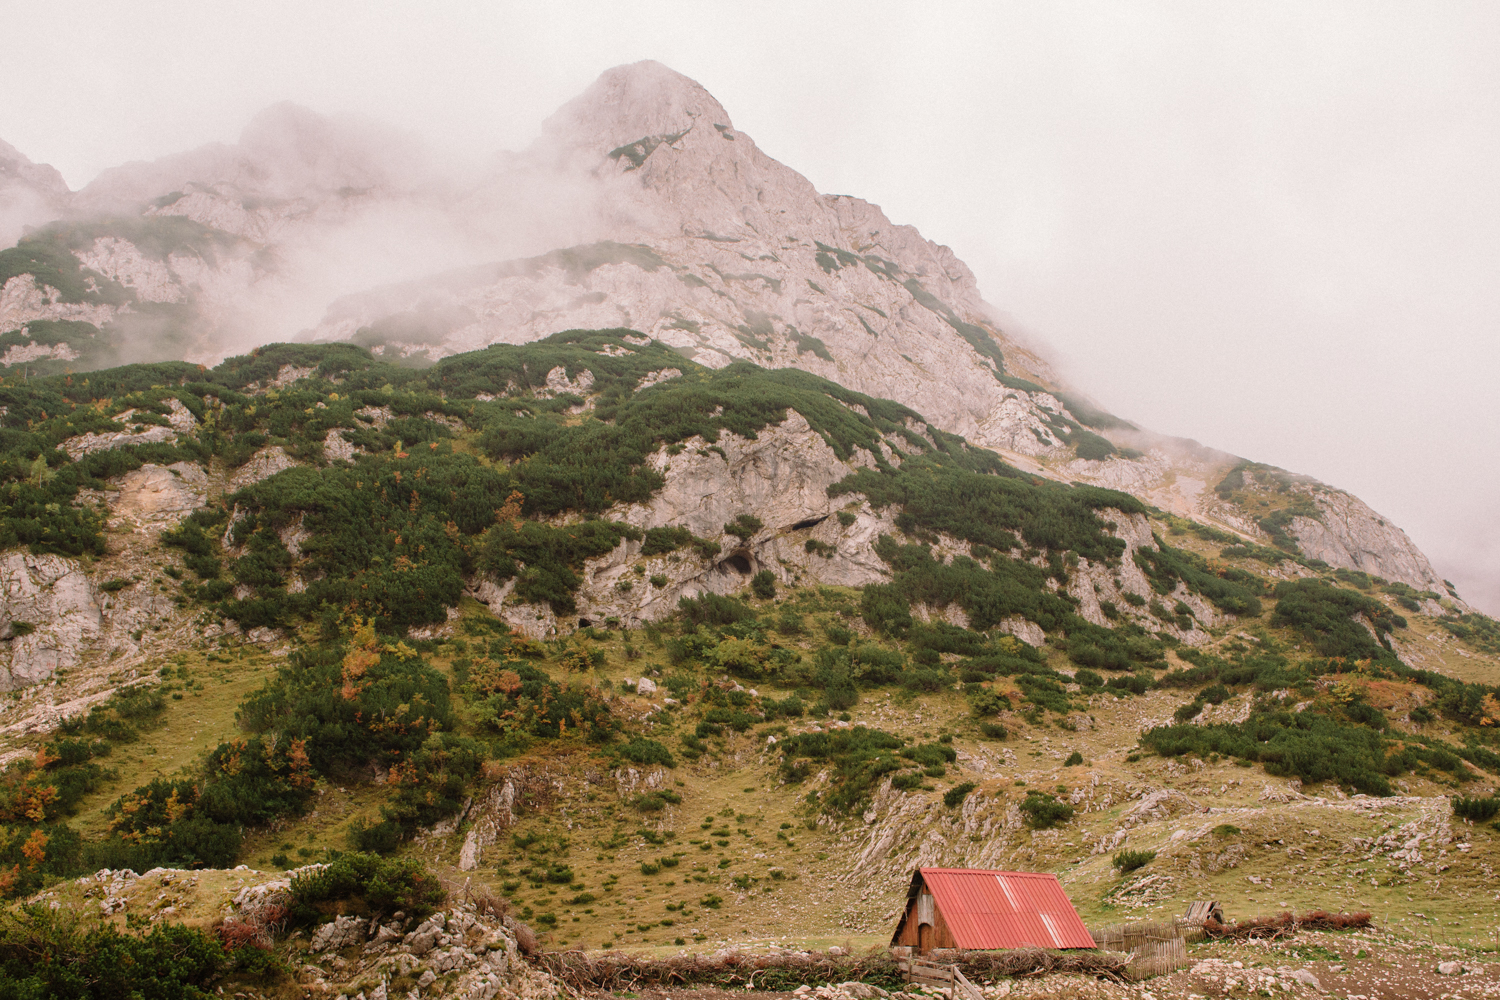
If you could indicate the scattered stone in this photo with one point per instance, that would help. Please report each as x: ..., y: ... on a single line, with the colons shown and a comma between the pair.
x: 345, y: 931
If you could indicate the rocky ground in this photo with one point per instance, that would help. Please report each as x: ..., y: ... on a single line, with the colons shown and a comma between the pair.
x: 473, y: 950
x: 1364, y: 966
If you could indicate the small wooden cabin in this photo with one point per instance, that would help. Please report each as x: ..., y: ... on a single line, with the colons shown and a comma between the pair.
x: 971, y: 908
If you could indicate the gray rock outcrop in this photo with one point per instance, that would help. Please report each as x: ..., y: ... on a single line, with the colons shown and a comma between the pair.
x: 50, y: 611
x: 1349, y: 535
x: 782, y: 476
x: 645, y: 208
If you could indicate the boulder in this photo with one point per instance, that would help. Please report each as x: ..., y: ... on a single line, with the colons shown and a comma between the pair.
x: 342, y: 932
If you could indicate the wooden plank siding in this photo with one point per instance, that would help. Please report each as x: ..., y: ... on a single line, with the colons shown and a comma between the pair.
x: 923, y: 910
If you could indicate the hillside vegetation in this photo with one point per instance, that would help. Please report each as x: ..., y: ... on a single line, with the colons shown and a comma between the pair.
x: 671, y: 781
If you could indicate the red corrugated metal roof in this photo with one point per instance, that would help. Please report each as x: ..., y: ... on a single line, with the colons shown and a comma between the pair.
x: 986, y: 909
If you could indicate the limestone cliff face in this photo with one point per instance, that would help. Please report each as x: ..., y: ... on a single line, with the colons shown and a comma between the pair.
x: 1349, y: 534
x: 52, y: 610
x: 1178, y: 476
x: 782, y: 477
x: 706, y: 243
x: 640, y: 205
x: 57, y: 616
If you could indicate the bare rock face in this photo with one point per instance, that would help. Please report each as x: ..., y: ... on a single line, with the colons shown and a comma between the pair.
x: 51, y: 611
x: 1350, y: 535
x: 264, y: 464
x: 640, y: 205
x: 213, y: 286
x: 709, y: 245
x: 160, y: 495
x: 782, y: 477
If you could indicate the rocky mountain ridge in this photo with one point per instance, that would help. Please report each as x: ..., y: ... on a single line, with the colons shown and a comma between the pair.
x: 676, y: 225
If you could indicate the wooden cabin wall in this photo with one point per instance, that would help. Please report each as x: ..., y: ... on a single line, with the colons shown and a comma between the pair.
x: 942, y: 937
x: 908, y: 934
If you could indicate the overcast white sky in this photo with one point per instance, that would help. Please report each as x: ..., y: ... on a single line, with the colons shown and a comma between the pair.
x: 1271, y: 227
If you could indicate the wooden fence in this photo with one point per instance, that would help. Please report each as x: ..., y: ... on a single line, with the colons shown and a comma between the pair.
x: 943, y: 977
x: 1155, y: 947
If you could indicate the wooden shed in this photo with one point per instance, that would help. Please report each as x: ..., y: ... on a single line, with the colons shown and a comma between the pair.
x: 972, y: 908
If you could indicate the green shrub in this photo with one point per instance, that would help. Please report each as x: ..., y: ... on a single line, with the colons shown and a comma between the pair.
x: 1131, y: 684
x: 1188, y: 711
x: 640, y: 750
x: 656, y: 801
x: 763, y: 585
x: 245, y: 782
x: 1074, y: 759
x: 988, y: 594
x: 1091, y: 446
x: 1314, y: 747
x: 430, y: 782
x: 1088, y: 680
x: 662, y: 540
x: 375, y: 838
x: 713, y: 610
x: 1324, y: 615
x: 361, y: 700
x: 972, y: 496
x: 1235, y: 592
x: 1044, y: 811
x: 47, y: 952
x: 515, y: 696
x: 378, y: 885
x: 885, y: 610
x: 789, y: 622
x: 1475, y: 810
x: 859, y: 757
x: 1128, y: 861
x: 956, y: 795
x: 744, y: 527
x: 993, y: 731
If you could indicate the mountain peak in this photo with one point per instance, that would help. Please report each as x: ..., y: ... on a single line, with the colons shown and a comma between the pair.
x: 626, y: 104
x: 287, y: 151
x: 30, y: 193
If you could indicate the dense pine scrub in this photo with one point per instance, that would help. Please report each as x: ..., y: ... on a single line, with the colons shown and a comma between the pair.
x: 1315, y: 747
x: 46, y: 952
x: 1328, y: 617
x: 508, y: 462
x: 1337, y: 735
x: 1231, y: 590
x: 393, y: 533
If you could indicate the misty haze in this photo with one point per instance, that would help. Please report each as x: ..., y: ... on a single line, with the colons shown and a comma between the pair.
x: 612, y: 561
